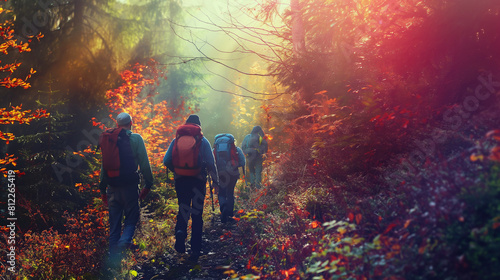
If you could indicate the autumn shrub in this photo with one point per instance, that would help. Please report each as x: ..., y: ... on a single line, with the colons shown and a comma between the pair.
x: 467, y: 231
x: 343, y: 254
x: 273, y: 245
x: 276, y: 233
x: 285, y: 242
x: 447, y: 226
x: 436, y: 214
x: 476, y: 235
x: 78, y: 252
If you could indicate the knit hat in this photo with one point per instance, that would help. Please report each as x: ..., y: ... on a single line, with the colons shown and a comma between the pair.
x: 123, y: 119
x: 194, y: 119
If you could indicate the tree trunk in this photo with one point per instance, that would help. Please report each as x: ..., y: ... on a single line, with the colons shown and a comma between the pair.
x: 298, y: 33
x: 78, y: 20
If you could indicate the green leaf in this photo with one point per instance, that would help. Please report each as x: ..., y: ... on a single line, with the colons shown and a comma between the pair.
x: 133, y: 273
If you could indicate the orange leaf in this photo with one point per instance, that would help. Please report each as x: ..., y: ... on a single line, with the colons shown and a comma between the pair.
x: 493, y: 133
x: 314, y: 224
x: 495, y: 154
x: 351, y: 217
x: 389, y: 228
x: 421, y: 250
x: 407, y: 223
x: 358, y: 218
x: 475, y: 157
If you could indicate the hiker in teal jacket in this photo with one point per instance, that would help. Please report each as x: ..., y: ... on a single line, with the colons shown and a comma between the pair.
x: 122, y: 195
x: 254, y: 146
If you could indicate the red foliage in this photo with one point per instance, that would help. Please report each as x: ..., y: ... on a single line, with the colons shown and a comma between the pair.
x: 15, y: 115
x: 7, y: 42
x: 75, y: 253
x: 155, y: 122
x: 495, y: 151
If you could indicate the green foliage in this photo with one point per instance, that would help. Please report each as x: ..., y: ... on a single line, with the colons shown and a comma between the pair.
x: 39, y: 150
x: 342, y: 254
x: 476, y: 237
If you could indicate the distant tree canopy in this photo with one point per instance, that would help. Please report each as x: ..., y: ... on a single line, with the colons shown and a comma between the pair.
x: 416, y: 43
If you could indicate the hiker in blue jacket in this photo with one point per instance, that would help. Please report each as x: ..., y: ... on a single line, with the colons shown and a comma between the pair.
x: 254, y: 146
x: 122, y: 194
x: 228, y: 159
x: 191, y: 190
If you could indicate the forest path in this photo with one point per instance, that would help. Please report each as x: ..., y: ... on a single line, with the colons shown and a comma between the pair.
x: 221, y: 252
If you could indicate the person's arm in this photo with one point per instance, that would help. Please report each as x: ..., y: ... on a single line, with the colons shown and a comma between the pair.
x: 102, y: 181
x: 143, y: 161
x: 102, y: 186
x: 241, y: 157
x: 241, y: 160
x: 244, y: 144
x: 167, y: 159
x: 208, y: 158
x: 264, y: 146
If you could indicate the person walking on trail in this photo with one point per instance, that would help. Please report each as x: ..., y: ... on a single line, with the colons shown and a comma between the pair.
x: 122, y: 153
x: 254, y: 146
x: 190, y: 157
x: 228, y: 159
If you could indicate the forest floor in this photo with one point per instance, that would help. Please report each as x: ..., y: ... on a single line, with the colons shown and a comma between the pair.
x: 221, y: 256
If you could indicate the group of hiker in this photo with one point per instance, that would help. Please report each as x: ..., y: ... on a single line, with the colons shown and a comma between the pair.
x: 192, y: 160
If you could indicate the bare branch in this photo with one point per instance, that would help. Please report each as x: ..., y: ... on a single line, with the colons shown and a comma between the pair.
x: 240, y: 86
x: 216, y: 60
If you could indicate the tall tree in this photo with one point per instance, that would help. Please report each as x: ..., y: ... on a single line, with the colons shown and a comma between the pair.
x: 298, y: 36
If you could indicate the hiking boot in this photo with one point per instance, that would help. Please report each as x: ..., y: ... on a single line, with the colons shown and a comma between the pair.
x: 180, y: 242
x: 194, y: 256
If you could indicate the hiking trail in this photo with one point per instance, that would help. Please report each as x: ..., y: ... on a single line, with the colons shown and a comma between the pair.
x: 221, y: 253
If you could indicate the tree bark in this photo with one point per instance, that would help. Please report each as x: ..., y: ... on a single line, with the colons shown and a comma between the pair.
x: 79, y: 7
x: 298, y: 33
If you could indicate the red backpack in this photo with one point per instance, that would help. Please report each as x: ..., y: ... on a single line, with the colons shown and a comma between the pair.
x: 186, y: 150
x: 110, y: 152
x: 117, y: 156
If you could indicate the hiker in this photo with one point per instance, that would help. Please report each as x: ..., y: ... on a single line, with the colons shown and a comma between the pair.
x: 228, y: 159
x: 190, y: 157
x: 119, y: 181
x: 255, y: 147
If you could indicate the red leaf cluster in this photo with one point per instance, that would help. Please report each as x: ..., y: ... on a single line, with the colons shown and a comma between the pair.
x: 154, y: 121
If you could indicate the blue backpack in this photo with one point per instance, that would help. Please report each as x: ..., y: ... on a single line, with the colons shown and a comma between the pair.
x: 225, y: 153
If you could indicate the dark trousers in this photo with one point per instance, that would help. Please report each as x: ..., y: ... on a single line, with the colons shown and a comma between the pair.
x: 190, y: 197
x: 255, y: 168
x: 226, y: 195
x: 122, y: 201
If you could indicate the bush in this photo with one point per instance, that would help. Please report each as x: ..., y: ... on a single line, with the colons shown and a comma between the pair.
x: 79, y: 252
